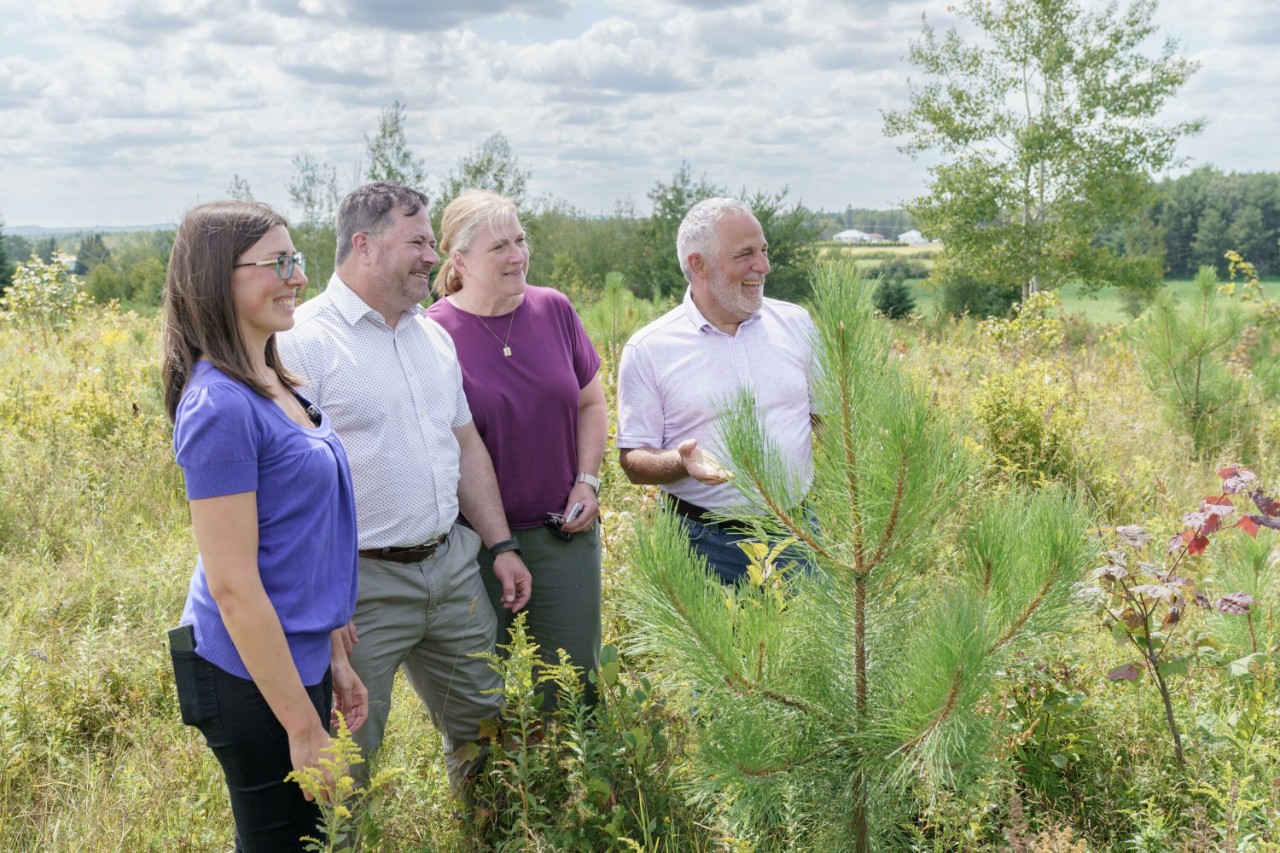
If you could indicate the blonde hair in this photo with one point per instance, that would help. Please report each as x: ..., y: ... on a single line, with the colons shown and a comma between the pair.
x: 463, y: 220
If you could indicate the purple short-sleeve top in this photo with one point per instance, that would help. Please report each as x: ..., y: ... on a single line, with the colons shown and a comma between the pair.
x: 525, y: 405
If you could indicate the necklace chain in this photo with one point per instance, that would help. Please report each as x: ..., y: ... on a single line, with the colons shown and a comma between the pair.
x: 506, y: 350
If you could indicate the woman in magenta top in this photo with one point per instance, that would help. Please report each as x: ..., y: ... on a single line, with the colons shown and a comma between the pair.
x: 260, y: 655
x: 532, y: 380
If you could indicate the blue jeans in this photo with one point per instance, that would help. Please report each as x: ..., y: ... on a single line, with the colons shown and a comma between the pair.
x: 725, y: 559
x: 253, y: 748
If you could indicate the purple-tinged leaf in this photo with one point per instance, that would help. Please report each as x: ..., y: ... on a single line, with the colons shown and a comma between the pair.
x: 1176, y: 544
x: 1266, y: 521
x: 1110, y: 573
x: 1172, y: 617
x: 1234, y: 604
x: 1133, y: 534
x: 1217, y: 507
x: 1201, y: 600
x: 1155, y: 590
x: 1238, y: 481
x: 1268, y: 505
x: 1128, y: 672
x: 1195, y: 520
x: 1151, y: 568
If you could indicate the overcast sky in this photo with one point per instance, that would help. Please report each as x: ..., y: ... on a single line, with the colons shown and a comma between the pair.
x: 127, y: 112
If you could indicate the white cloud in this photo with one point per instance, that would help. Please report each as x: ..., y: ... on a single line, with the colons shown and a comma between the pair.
x: 128, y: 111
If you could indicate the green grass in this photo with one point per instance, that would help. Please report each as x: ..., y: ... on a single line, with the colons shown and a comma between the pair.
x: 96, y: 551
x: 1105, y: 307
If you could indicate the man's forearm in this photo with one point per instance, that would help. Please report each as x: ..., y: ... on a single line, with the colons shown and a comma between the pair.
x: 478, y: 495
x: 646, y: 466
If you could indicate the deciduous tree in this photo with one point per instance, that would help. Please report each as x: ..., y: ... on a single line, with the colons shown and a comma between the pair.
x: 1047, y: 122
x: 390, y: 158
x: 239, y: 188
x: 313, y: 192
x: 6, y: 268
x: 93, y: 252
x: 493, y: 166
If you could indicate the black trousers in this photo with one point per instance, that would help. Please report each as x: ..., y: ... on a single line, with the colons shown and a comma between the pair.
x: 271, y: 815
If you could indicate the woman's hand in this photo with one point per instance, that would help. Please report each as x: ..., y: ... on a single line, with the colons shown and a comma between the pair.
x: 305, y: 748
x: 583, y: 494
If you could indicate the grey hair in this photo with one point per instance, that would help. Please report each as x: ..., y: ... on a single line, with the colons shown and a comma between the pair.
x: 698, y: 230
x: 367, y: 208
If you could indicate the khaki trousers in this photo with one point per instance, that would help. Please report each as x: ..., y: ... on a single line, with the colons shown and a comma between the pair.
x: 430, y: 618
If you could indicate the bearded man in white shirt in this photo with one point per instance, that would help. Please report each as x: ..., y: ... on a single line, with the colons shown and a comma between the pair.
x: 679, y: 372
x: 388, y: 378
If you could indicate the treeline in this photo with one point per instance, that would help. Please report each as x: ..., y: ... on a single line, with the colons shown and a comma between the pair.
x: 1192, y: 221
x: 1201, y: 215
x: 890, y: 223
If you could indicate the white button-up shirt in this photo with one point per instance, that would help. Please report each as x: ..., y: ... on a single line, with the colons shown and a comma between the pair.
x: 678, y: 373
x: 394, y: 396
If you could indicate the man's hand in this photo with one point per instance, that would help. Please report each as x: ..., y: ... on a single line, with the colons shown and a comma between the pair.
x: 517, y: 584
x: 702, y: 466
x: 349, y: 636
x: 349, y: 696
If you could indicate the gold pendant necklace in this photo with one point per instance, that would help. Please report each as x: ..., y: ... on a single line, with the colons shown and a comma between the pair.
x: 506, y: 350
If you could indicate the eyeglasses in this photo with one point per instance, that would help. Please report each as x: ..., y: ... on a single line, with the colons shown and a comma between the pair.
x: 284, y: 265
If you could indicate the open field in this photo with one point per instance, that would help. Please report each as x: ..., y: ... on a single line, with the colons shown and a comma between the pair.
x: 96, y: 551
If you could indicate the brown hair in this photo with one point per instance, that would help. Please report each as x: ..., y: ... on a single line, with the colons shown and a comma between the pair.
x: 199, y: 313
x: 368, y: 208
x: 461, y: 222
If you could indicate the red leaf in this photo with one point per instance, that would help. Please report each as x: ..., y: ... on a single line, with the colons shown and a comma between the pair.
x: 1218, y: 500
x: 1229, y: 471
x: 1197, y: 545
x: 1128, y: 672
x: 1211, y: 525
x: 1246, y: 524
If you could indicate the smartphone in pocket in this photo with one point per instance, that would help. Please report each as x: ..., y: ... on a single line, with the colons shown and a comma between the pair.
x: 182, y: 638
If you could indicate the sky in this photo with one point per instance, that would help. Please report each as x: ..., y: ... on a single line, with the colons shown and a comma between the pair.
x: 128, y: 112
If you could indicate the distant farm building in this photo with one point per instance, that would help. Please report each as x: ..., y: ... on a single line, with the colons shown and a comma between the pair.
x: 853, y: 235
x: 912, y: 238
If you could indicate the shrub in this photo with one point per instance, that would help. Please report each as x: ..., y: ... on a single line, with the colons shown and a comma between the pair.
x: 1032, y: 419
x: 965, y: 295
x: 894, y: 299
x: 583, y: 778
x: 43, y: 295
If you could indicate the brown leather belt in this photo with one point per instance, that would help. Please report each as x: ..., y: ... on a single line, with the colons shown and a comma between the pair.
x: 410, y: 554
x: 693, y: 512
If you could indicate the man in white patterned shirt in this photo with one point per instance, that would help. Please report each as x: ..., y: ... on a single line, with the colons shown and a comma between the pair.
x: 389, y: 379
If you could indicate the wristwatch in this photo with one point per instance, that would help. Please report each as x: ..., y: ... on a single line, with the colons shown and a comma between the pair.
x: 504, y: 546
x: 593, y: 482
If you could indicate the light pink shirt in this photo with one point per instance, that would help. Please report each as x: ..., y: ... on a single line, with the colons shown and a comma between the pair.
x: 679, y: 372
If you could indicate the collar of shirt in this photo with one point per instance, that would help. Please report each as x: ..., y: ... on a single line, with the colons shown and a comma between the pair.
x: 701, y: 323
x: 352, y: 308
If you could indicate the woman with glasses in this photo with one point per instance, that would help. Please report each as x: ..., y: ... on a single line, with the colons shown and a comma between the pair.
x: 532, y: 380
x: 259, y: 657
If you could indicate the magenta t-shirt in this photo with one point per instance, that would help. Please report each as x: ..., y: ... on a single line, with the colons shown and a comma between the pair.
x: 526, y: 405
